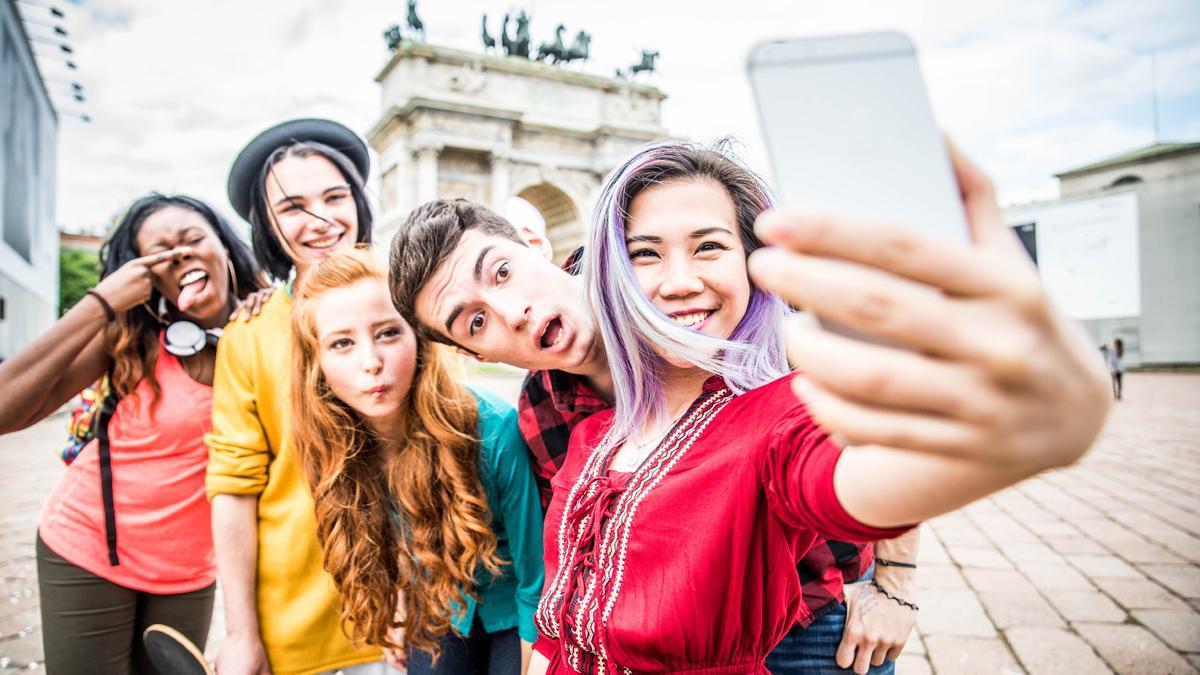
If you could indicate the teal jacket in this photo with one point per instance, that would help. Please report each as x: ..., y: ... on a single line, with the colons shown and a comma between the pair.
x: 510, y: 599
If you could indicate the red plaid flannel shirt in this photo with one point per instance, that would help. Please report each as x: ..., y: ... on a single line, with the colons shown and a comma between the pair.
x: 552, y: 402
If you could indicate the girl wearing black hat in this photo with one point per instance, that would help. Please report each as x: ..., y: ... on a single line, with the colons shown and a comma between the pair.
x: 300, y: 186
x: 124, y: 541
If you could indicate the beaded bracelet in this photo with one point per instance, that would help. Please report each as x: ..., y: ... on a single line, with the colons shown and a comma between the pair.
x: 108, y: 310
x: 894, y: 598
x: 893, y: 563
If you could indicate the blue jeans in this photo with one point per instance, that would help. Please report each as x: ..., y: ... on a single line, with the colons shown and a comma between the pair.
x: 482, y: 653
x: 813, y: 650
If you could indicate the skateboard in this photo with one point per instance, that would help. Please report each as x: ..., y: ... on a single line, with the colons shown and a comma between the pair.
x: 172, y: 653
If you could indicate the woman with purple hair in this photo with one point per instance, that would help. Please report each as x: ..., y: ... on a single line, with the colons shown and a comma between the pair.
x: 678, y: 517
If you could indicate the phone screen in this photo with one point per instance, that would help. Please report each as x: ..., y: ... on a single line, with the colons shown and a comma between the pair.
x: 850, y: 131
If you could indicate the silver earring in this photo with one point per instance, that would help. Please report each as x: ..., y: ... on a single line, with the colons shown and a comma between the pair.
x: 162, y: 307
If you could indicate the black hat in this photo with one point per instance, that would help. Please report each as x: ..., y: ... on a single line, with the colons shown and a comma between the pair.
x: 248, y: 165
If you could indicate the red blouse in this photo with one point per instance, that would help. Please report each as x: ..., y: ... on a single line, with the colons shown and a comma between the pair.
x: 688, y: 563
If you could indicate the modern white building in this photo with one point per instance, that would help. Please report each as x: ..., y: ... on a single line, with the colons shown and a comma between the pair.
x: 28, y: 239
x: 1120, y: 250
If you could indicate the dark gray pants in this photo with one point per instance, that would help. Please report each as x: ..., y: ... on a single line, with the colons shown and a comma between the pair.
x: 93, y: 626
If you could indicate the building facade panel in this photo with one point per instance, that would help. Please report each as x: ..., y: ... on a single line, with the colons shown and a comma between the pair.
x: 28, y: 236
x: 1170, y: 244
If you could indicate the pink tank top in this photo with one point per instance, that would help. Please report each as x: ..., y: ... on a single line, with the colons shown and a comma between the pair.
x: 164, y: 535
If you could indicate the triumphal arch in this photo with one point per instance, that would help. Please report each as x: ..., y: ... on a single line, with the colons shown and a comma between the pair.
x: 488, y: 127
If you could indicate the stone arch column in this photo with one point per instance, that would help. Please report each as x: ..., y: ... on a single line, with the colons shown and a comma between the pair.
x: 501, y: 178
x: 427, y: 172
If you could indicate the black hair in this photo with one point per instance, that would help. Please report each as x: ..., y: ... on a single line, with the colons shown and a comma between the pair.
x: 121, y: 246
x: 426, y: 239
x: 268, y: 250
x: 134, y: 336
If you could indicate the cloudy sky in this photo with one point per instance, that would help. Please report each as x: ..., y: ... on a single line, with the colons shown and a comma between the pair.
x: 1027, y: 87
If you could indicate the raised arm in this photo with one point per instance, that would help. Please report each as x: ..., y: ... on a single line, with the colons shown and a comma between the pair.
x: 71, y: 355
x: 988, y: 385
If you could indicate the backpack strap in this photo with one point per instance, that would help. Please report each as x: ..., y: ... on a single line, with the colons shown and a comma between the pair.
x: 106, y: 486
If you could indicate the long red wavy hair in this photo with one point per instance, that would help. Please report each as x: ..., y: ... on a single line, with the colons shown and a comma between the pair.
x: 404, y: 517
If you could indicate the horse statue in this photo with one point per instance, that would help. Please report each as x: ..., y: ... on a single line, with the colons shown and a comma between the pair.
x: 649, y: 59
x: 522, y: 43
x: 506, y: 42
x: 553, y: 49
x: 578, y: 51
x: 414, y: 21
x: 489, y: 42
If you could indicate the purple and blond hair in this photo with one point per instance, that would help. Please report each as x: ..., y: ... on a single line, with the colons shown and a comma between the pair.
x: 632, y: 327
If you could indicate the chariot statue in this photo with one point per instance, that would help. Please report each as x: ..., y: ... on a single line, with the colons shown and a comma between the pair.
x: 553, y: 50
x: 518, y: 45
x: 646, y: 65
x: 578, y: 51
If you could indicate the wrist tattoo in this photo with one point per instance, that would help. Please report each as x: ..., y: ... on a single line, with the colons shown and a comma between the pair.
x: 866, y: 603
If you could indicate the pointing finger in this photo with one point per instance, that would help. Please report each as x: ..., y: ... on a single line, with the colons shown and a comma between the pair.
x: 155, y: 259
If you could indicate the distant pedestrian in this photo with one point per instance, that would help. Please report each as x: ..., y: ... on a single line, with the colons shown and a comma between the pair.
x: 1116, y: 367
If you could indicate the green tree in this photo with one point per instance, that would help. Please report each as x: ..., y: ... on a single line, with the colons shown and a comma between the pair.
x: 77, y: 272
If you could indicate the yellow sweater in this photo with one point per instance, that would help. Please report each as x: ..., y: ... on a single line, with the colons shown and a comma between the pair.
x: 251, y: 453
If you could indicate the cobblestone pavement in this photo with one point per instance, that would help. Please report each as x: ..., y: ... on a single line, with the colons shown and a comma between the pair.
x: 1092, y: 569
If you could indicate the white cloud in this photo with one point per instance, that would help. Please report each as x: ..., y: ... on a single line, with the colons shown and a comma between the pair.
x: 1140, y: 26
x: 1054, y: 150
x: 176, y: 87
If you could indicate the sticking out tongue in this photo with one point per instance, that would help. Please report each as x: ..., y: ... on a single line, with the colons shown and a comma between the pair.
x: 551, y: 334
x: 188, y: 294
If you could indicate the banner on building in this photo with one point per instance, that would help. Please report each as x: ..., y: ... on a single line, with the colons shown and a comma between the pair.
x: 1086, y: 251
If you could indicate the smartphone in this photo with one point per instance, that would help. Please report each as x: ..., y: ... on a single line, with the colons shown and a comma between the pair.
x: 849, y: 131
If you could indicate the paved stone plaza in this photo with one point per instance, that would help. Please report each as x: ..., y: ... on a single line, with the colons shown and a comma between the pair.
x: 1092, y: 569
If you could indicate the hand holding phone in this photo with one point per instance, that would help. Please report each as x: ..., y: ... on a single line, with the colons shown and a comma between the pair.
x: 987, y: 368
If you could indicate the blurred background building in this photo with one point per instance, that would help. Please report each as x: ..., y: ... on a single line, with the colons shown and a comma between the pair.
x: 29, y: 241
x: 1120, y: 250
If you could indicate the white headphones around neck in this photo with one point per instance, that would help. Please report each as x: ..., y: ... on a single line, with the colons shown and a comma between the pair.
x: 183, y: 337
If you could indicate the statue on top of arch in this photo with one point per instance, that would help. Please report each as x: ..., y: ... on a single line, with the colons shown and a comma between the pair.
x: 394, y: 37
x: 514, y: 46
x: 521, y: 45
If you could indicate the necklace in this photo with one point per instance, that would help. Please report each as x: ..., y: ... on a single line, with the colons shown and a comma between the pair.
x: 641, y: 450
